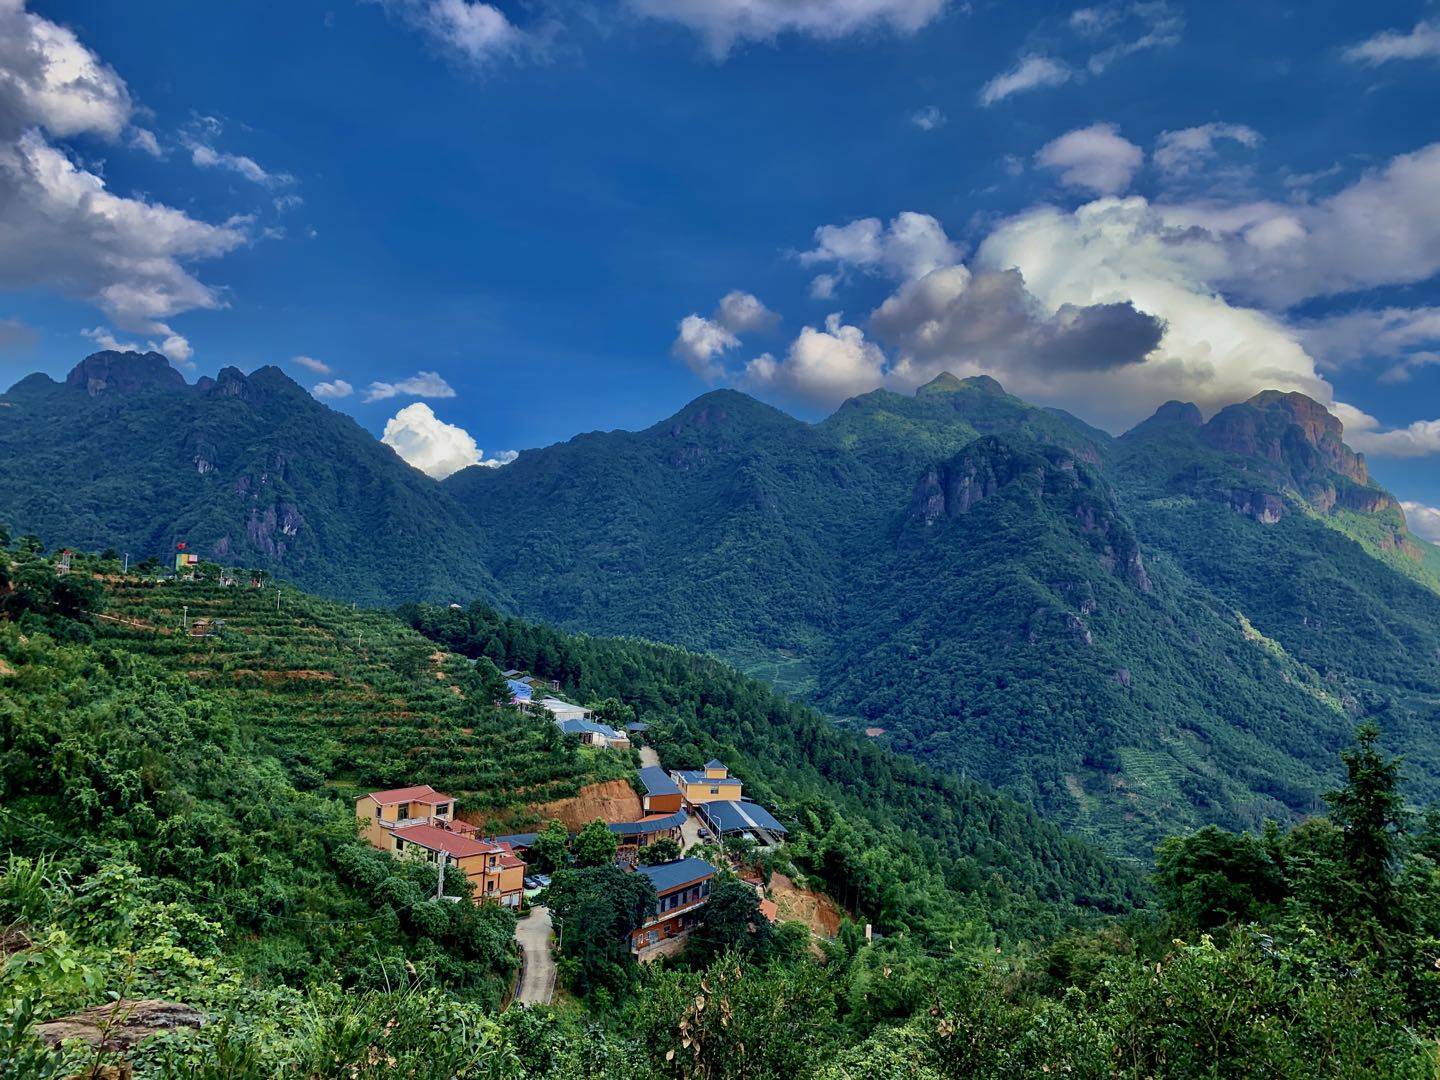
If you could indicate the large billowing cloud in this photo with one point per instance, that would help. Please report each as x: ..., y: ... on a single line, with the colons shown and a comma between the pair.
x: 722, y: 24
x: 703, y: 342
x: 60, y: 227
x: 1096, y: 158
x: 433, y: 446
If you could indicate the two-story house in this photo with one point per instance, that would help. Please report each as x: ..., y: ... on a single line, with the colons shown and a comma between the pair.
x: 682, y: 887
x: 709, y: 784
x: 380, y: 812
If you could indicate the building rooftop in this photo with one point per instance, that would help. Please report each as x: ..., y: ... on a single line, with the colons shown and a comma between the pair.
x: 581, y: 727
x: 714, y: 764
x: 519, y: 839
x: 419, y: 793
x: 698, y: 777
x: 741, y: 816
x: 657, y: 781
x: 650, y: 823
x: 669, y: 876
x: 435, y: 838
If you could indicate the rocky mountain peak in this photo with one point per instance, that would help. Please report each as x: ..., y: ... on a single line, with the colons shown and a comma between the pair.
x: 112, y: 372
x: 1170, y: 416
x: 946, y: 383
x: 1293, y: 434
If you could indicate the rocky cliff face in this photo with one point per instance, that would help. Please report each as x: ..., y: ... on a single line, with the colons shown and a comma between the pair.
x: 112, y: 372
x: 1295, y: 435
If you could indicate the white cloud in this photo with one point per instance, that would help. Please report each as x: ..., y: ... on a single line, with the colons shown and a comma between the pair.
x: 822, y: 286
x: 207, y: 157
x: 175, y: 346
x: 1380, y: 230
x: 337, y: 388
x: 60, y: 227
x: 1030, y: 73
x: 702, y: 342
x: 1405, y: 338
x: 433, y: 446
x: 309, y: 363
x: 1149, y: 24
x: 722, y: 24
x: 1424, y: 521
x: 1179, y: 153
x: 911, y: 245
x: 929, y: 118
x: 823, y: 367
x: 1096, y: 157
x: 421, y: 384
x: 144, y: 139
x: 472, y: 31
x: 1420, y: 439
x: 1421, y: 43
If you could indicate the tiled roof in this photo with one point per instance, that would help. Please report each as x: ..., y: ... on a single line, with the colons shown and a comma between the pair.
x: 418, y: 793
x: 651, y: 823
x: 657, y: 781
x: 435, y: 838
x: 519, y: 839
x: 671, y: 875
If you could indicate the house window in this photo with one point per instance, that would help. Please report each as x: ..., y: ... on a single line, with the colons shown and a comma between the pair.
x: 378, y: 811
x: 714, y: 791
x: 441, y: 809
x: 399, y: 844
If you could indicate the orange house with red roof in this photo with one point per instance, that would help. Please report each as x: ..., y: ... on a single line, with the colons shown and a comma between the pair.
x: 419, y: 823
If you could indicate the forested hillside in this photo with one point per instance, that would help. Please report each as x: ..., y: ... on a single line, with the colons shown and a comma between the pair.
x: 1178, y: 626
x: 183, y: 878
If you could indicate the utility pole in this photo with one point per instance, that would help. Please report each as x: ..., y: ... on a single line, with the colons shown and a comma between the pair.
x: 127, y: 563
x: 440, y: 883
x: 185, y: 616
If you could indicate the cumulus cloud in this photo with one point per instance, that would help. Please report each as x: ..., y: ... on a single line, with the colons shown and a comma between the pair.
x: 1097, y: 158
x: 1420, y: 439
x: 702, y: 342
x: 1424, y: 521
x: 928, y: 119
x: 309, y: 363
x: 911, y: 245
x: 1179, y: 153
x: 1380, y: 230
x: 822, y: 367
x: 1030, y: 73
x: 60, y: 227
x: 434, y: 447
x: 174, y: 346
x: 989, y: 323
x: 722, y: 24
x: 337, y: 388
x: 421, y: 384
x: 1421, y: 43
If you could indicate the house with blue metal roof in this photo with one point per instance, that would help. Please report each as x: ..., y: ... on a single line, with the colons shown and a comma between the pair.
x: 705, y: 785
x: 742, y: 818
x: 681, y: 887
x: 594, y: 733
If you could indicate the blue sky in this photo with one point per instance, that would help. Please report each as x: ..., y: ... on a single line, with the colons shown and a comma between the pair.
x: 503, y: 213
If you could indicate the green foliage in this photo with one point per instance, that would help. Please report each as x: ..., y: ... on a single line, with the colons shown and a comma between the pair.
x: 731, y: 920
x: 598, y: 908
x: 661, y: 851
x: 1213, y: 877
x: 551, y: 849
x: 595, y: 845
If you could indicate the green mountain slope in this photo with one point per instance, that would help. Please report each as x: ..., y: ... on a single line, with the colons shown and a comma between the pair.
x: 1173, y: 627
x: 250, y: 470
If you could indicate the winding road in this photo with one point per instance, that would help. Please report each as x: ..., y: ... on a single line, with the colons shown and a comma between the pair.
x: 537, y: 984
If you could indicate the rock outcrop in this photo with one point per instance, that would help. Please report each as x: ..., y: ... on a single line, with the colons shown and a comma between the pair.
x: 112, y: 372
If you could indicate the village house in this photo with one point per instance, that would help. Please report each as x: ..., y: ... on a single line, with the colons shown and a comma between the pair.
x: 594, y: 733
x: 419, y: 822
x: 709, y: 784
x: 682, y: 888
x: 635, y: 835
x: 662, y: 794
x: 519, y: 691
x: 563, y: 710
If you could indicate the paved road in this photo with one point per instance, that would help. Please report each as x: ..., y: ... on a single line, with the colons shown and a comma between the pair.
x: 537, y: 985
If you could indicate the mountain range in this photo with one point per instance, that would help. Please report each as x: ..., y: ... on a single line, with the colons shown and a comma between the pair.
x: 1135, y: 634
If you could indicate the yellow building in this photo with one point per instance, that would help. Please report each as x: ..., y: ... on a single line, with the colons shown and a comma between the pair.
x: 382, y: 811
x: 711, y: 784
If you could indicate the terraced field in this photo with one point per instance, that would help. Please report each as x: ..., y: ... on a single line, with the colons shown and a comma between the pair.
x: 350, y: 699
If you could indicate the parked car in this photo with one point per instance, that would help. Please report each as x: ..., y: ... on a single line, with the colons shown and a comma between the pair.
x: 705, y: 834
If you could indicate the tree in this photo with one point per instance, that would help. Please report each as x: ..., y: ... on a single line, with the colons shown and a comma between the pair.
x: 595, y: 845
x: 599, y: 907
x: 613, y: 711
x: 550, y: 851
x: 664, y: 850
x: 1370, y: 813
x: 1213, y: 877
x: 732, y: 920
